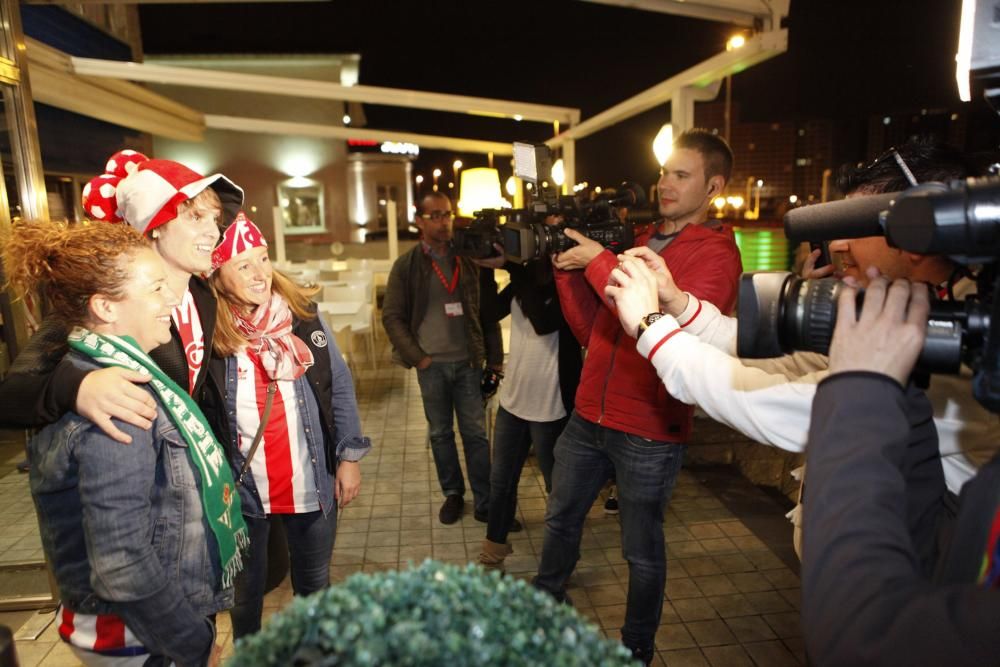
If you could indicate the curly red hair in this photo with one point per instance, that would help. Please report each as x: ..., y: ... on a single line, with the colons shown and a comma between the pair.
x: 70, y: 263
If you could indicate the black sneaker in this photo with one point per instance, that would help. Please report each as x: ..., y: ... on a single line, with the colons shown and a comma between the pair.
x: 451, y: 510
x: 515, y: 526
x: 643, y: 655
x: 611, y: 505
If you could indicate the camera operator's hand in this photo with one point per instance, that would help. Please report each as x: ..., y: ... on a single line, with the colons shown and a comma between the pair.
x: 888, y: 336
x: 633, y: 288
x: 673, y: 300
x: 577, y: 257
x: 809, y: 270
x: 495, y: 262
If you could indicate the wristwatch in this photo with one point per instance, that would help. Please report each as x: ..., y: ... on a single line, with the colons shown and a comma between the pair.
x: 647, y: 322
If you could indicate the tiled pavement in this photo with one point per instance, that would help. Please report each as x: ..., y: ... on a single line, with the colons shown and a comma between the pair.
x: 730, y: 600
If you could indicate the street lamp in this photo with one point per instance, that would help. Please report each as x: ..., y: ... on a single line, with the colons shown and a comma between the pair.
x: 558, y: 173
x: 437, y: 174
x: 736, y: 202
x: 663, y: 143
x: 737, y: 41
x: 719, y: 203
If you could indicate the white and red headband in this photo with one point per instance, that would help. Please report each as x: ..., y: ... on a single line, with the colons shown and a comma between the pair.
x: 239, y: 237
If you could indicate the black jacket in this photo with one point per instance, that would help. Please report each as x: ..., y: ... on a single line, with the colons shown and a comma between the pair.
x: 866, y: 596
x: 41, y: 387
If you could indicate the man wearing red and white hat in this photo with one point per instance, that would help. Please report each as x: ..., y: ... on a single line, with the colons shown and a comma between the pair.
x: 181, y: 212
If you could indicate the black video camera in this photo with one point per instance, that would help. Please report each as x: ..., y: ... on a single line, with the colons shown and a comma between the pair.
x: 779, y: 312
x: 526, y: 234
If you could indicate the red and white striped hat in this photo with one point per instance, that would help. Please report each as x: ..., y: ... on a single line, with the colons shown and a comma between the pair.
x: 146, y: 193
x: 239, y: 237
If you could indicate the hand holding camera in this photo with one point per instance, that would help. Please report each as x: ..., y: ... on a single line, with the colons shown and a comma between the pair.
x: 580, y: 255
x: 888, y: 335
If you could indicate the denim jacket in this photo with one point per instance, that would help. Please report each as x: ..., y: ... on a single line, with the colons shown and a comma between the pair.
x: 122, y: 526
x: 349, y: 444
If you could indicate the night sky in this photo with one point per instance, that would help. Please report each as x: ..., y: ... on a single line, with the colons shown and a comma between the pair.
x: 847, y: 60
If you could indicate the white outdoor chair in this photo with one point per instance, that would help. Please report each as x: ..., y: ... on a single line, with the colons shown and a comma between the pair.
x: 342, y: 334
x: 344, y: 291
x: 362, y: 324
x: 327, y: 274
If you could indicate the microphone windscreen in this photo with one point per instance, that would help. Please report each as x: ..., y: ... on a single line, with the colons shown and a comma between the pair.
x: 843, y: 219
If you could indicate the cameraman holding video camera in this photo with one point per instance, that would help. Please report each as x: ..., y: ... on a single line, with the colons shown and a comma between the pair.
x: 770, y: 399
x: 624, y: 423
x: 864, y: 420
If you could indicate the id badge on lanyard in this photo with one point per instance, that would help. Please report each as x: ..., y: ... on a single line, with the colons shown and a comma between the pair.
x: 451, y: 308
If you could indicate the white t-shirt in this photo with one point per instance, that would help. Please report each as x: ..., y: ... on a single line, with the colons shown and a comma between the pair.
x: 531, y: 390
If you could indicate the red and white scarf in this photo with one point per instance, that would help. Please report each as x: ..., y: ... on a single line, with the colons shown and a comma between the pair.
x: 188, y: 322
x: 269, y: 332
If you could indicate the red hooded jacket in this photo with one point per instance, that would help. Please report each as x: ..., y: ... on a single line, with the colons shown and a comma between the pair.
x: 619, y: 388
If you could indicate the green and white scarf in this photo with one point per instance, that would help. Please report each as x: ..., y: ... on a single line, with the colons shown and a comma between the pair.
x: 218, y: 496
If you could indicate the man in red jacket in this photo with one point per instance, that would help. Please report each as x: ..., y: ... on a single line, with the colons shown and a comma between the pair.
x: 625, y: 425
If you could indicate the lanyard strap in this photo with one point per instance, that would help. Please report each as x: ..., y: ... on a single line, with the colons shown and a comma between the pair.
x: 440, y: 273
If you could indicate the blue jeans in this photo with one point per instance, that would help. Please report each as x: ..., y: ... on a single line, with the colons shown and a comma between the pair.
x: 586, y: 456
x: 449, y: 390
x: 310, y: 547
x: 512, y: 439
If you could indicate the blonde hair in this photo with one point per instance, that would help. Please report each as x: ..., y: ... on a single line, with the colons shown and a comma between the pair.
x: 206, y: 199
x: 228, y: 339
x: 70, y: 264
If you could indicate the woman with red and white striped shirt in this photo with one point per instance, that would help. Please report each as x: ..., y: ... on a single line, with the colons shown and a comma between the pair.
x: 285, y: 399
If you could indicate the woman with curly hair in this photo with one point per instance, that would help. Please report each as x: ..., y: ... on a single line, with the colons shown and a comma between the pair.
x: 144, y: 541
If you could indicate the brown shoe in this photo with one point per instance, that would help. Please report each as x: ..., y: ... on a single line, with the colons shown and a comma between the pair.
x: 493, y: 555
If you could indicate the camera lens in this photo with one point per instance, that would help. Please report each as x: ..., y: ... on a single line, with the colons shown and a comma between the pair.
x: 780, y: 312
x: 814, y: 312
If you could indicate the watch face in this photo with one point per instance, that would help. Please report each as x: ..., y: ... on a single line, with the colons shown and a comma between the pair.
x: 652, y: 317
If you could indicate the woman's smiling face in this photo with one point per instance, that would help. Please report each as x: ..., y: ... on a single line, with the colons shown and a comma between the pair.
x: 246, y: 279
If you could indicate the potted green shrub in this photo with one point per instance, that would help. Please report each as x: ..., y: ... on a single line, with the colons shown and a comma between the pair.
x: 433, y: 614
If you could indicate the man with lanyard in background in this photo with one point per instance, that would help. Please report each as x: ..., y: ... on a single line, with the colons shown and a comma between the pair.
x: 431, y: 314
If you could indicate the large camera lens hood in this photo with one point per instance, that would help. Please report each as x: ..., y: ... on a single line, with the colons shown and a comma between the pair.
x: 759, y: 305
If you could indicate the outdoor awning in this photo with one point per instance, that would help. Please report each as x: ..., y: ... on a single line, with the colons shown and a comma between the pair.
x: 54, y: 82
